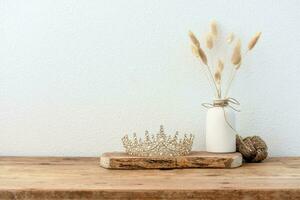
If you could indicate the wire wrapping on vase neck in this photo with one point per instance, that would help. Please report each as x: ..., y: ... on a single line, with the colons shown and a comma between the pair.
x: 228, y: 102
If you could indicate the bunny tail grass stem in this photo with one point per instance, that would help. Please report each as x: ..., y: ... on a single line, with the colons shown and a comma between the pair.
x: 209, y: 82
x: 232, y: 76
x: 212, y: 78
x: 209, y: 77
x: 210, y: 71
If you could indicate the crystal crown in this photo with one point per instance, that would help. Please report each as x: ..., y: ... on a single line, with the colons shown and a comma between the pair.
x: 161, y: 145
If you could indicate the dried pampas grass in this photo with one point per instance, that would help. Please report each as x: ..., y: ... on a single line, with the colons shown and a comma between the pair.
x: 214, y: 28
x: 195, y: 51
x: 218, y: 77
x: 202, y: 56
x: 194, y: 39
x: 236, y: 56
x: 220, y: 65
x: 199, y: 53
x: 230, y: 38
x: 209, y: 41
x: 253, y: 41
x: 238, y: 66
x: 219, y: 70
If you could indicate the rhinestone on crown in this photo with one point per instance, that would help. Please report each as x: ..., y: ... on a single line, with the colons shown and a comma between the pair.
x: 160, y: 145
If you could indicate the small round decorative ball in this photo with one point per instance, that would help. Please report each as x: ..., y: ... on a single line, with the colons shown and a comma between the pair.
x: 253, y: 149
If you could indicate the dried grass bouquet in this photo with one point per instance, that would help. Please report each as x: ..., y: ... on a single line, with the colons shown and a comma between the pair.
x: 214, y: 64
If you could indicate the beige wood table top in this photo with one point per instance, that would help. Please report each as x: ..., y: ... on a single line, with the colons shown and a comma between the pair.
x: 82, y: 178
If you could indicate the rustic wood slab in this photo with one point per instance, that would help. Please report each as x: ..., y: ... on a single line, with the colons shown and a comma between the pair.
x: 197, y: 159
x: 82, y: 178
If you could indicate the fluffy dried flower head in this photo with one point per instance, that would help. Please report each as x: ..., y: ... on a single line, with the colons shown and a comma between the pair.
x: 219, y: 70
x: 253, y: 41
x: 214, y: 28
x: 209, y: 41
x: 236, y: 56
x: 220, y: 65
x: 199, y: 53
x: 194, y: 39
x: 195, y: 51
x: 238, y: 66
x: 202, y: 56
x: 230, y: 38
x: 218, y: 77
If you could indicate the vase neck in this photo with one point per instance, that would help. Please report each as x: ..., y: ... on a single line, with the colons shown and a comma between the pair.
x: 220, y: 102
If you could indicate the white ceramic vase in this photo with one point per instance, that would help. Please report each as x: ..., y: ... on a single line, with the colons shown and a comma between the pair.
x: 220, y: 137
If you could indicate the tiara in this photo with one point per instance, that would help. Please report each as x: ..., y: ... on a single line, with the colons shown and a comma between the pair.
x: 160, y: 145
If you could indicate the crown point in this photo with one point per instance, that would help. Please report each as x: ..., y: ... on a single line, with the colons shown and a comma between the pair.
x: 161, y: 129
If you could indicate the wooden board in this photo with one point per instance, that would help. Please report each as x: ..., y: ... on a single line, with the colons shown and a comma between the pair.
x: 197, y: 159
x: 82, y: 178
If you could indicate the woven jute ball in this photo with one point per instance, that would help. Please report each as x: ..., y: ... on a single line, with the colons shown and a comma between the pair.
x: 253, y: 148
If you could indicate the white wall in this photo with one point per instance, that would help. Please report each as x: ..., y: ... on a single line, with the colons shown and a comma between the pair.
x: 76, y: 75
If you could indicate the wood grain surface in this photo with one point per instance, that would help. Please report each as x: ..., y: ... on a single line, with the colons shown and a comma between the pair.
x: 196, y: 159
x: 82, y: 178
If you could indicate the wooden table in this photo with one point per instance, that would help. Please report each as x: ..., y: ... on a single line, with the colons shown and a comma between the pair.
x: 82, y: 178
